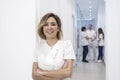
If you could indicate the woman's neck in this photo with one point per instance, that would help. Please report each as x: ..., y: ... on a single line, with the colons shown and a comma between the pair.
x: 51, y: 42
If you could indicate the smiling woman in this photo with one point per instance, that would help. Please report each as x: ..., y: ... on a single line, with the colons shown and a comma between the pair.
x: 48, y: 23
x: 53, y: 57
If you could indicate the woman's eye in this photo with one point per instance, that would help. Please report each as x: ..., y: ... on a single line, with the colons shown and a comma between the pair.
x: 53, y: 24
x: 46, y: 24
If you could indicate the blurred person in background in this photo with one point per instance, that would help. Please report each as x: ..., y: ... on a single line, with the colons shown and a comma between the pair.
x: 100, y: 44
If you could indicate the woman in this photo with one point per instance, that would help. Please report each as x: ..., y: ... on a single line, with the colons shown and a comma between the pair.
x: 100, y: 44
x: 53, y: 56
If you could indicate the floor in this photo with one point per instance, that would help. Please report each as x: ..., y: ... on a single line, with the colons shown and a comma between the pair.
x: 89, y: 71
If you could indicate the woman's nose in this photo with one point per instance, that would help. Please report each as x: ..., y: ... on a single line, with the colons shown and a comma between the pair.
x: 49, y: 26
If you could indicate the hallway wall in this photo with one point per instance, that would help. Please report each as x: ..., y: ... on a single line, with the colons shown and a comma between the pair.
x: 112, y: 38
x: 17, y: 39
x: 101, y: 14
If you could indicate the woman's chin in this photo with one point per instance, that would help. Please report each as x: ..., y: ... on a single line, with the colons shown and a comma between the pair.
x: 51, y: 37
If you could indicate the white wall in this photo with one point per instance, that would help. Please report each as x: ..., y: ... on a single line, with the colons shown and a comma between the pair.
x: 67, y: 19
x: 112, y: 39
x: 45, y: 6
x: 17, y: 39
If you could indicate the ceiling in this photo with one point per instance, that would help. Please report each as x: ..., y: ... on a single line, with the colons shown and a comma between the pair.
x: 88, y: 8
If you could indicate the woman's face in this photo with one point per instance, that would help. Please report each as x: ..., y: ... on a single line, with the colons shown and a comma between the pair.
x: 51, y: 28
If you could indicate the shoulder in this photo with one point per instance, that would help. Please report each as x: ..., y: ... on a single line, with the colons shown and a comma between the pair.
x: 93, y: 30
x: 87, y: 31
x: 65, y: 41
x: 83, y: 32
x: 101, y: 35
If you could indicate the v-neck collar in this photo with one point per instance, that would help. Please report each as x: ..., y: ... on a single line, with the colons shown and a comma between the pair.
x: 51, y: 47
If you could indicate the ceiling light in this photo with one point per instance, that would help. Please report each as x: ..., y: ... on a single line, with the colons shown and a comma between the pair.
x: 89, y: 2
x: 90, y: 7
x: 90, y: 10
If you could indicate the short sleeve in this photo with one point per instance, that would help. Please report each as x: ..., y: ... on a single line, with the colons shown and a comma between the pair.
x: 69, y: 52
x: 35, y: 54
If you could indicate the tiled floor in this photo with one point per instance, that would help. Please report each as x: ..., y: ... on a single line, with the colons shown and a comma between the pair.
x: 89, y: 71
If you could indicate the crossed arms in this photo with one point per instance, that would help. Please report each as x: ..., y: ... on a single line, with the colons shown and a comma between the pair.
x: 65, y: 71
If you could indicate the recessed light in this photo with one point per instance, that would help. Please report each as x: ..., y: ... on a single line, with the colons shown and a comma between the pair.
x: 90, y: 10
x: 90, y: 7
x: 89, y: 2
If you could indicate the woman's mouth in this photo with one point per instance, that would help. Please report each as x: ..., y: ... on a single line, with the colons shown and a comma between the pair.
x: 50, y: 32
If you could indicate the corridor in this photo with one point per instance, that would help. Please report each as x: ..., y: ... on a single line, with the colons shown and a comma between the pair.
x: 89, y: 71
x: 18, y: 37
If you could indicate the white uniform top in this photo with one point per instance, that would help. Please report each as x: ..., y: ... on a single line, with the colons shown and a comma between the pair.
x: 84, y: 41
x: 91, y: 34
x: 52, y: 58
x: 101, y: 42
